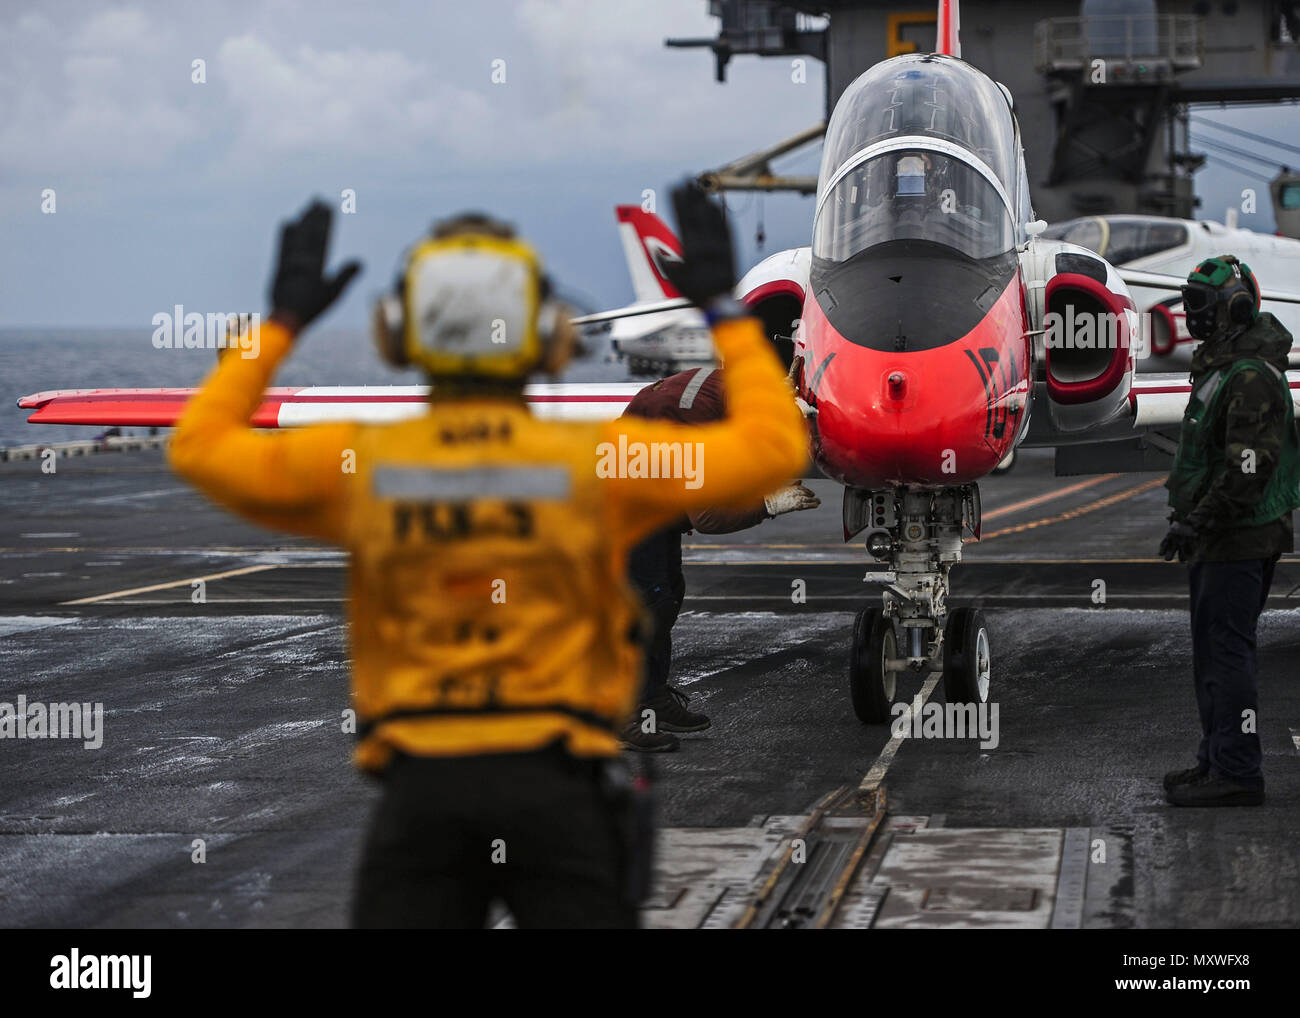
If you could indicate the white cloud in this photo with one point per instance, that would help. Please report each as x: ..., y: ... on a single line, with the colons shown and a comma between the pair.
x: 585, y: 81
x: 116, y: 96
x: 395, y: 100
x: 369, y: 102
x: 120, y: 30
x: 602, y: 69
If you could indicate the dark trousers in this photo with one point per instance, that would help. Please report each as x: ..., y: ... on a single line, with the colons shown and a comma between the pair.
x: 655, y: 569
x: 1227, y: 599
x: 539, y: 831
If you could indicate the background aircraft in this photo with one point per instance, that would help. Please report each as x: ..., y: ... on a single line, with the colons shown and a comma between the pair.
x: 663, y: 342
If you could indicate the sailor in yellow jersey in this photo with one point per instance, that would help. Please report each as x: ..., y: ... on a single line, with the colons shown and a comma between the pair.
x: 494, y: 641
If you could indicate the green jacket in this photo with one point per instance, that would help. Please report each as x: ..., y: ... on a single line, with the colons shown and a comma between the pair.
x: 1239, y: 413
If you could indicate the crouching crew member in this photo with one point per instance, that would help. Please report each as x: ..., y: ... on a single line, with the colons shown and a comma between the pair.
x: 493, y: 634
x: 1232, y: 489
x: 655, y: 565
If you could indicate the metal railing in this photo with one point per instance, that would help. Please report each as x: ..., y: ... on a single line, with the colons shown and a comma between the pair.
x: 1172, y: 42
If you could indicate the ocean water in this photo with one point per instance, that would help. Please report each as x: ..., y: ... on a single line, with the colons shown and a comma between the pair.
x: 36, y: 360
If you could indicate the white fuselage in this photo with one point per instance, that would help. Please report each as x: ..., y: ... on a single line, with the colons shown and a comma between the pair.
x: 664, y: 342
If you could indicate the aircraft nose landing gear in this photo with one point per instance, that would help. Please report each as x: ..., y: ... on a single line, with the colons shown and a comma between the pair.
x: 918, y: 533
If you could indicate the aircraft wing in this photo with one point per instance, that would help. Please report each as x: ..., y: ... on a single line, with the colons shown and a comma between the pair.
x: 1154, y: 401
x: 1138, y: 277
x: 1144, y: 439
x: 285, y: 407
x: 1159, y: 400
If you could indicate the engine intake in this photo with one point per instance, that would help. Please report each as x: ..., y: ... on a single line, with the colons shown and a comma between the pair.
x: 1087, y: 338
x: 778, y: 306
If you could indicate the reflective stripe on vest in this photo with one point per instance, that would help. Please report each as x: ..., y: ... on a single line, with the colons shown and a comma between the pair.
x: 693, y: 388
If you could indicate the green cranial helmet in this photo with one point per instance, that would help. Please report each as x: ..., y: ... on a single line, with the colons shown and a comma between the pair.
x: 1220, y: 294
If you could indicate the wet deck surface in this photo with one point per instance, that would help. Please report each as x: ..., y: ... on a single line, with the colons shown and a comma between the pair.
x: 223, y: 719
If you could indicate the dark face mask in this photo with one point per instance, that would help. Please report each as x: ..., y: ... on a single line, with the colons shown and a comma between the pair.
x: 1201, y: 309
x: 1211, y: 311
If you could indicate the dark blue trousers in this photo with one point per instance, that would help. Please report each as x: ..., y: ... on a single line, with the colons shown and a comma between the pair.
x: 655, y: 569
x: 1227, y: 598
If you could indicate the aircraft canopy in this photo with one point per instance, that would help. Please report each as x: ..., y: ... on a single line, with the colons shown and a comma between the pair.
x: 1121, y: 239
x: 913, y: 194
x: 927, y: 95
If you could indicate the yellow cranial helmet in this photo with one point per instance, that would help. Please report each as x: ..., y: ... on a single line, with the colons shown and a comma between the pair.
x: 472, y: 300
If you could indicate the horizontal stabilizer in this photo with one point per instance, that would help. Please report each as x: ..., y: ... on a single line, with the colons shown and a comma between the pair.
x: 632, y: 310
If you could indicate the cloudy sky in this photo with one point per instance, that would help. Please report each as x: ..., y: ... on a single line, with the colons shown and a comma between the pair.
x: 168, y: 191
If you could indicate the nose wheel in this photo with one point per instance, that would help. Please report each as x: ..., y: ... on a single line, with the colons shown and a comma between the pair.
x: 871, y: 684
x: 966, y: 657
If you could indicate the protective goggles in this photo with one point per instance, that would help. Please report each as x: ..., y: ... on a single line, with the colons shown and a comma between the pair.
x: 1199, y: 297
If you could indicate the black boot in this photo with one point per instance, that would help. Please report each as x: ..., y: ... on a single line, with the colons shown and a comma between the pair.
x: 671, y: 714
x: 1183, y: 777
x: 1209, y: 791
x: 635, y: 738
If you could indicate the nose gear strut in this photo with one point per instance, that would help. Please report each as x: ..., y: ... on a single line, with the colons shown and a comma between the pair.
x: 917, y: 533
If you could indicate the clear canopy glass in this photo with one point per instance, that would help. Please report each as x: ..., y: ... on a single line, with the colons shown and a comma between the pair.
x: 929, y: 95
x: 913, y: 194
x: 1121, y: 239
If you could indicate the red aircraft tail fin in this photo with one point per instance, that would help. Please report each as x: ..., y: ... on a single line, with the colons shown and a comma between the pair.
x: 648, y: 242
x: 949, y: 40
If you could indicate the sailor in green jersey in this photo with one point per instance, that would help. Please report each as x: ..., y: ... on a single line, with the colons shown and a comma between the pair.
x: 1234, y: 483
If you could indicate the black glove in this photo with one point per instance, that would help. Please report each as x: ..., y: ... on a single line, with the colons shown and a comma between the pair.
x: 300, y: 291
x: 708, y: 266
x: 1181, y: 541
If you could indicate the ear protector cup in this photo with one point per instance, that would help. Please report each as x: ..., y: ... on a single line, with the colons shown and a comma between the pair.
x: 388, y: 325
x: 1243, y: 305
x: 1242, y: 293
x: 561, y: 340
x: 547, y: 322
x: 388, y: 329
x: 1241, y: 308
x: 548, y: 313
